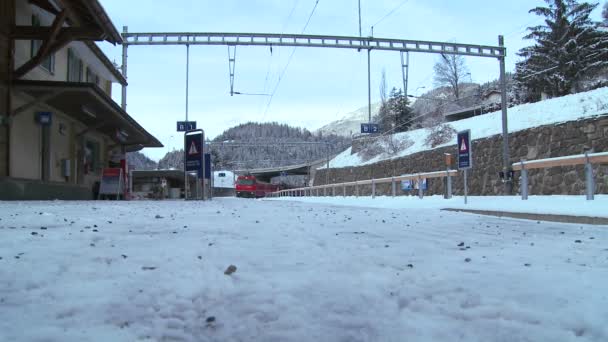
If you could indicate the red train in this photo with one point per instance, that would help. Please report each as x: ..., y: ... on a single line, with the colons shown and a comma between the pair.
x: 249, y: 186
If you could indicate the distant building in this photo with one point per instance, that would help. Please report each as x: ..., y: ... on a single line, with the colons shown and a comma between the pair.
x: 59, y: 126
x: 490, y: 102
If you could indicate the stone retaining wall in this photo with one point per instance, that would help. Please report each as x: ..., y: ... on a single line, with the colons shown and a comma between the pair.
x: 550, y: 141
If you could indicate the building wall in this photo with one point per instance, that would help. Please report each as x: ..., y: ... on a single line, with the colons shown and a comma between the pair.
x: 26, y: 154
x: 536, y: 143
x: 23, y: 51
x: 66, y: 142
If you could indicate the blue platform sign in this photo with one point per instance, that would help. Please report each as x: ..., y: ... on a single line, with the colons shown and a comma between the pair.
x: 465, y: 150
x: 207, y: 165
x: 194, y: 152
x: 370, y: 128
x: 183, y: 126
x: 44, y: 118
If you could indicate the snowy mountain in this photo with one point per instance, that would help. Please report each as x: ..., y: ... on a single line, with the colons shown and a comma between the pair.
x: 350, y: 123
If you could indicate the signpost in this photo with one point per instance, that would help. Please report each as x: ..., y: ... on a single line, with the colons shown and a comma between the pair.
x: 465, y: 156
x: 194, y: 154
x: 112, y: 182
x: 184, y: 126
x: 368, y: 128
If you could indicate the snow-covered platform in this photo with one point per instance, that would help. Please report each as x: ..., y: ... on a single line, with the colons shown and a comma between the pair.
x: 154, y: 271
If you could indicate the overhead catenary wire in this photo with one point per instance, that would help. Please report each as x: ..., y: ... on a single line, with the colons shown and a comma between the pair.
x: 282, y: 74
x: 391, y: 12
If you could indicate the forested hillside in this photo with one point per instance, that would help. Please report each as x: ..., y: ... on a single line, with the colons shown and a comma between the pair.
x: 258, y: 145
x: 138, y: 161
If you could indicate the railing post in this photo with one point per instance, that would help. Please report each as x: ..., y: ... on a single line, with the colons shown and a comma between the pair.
x: 393, y: 187
x: 524, y: 181
x: 356, y: 189
x: 373, y: 188
x: 420, y: 193
x: 343, y: 190
x: 589, y: 182
x: 333, y: 191
x: 324, y: 192
x: 317, y: 190
x: 449, y: 183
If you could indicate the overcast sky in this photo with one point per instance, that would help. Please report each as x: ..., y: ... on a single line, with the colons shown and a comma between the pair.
x: 320, y: 84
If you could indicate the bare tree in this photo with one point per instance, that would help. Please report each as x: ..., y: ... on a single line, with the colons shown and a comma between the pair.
x: 450, y: 70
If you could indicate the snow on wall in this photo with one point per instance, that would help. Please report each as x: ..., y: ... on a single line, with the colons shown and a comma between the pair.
x: 553, y: 111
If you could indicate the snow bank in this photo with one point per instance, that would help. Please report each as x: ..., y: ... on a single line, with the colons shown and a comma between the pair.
x: 555, y: 205
x: 553, y: 111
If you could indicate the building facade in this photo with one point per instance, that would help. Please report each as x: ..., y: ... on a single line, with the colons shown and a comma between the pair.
x: 59, y: 126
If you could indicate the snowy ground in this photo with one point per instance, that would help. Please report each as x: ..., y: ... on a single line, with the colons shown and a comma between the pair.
x: 115, y: 271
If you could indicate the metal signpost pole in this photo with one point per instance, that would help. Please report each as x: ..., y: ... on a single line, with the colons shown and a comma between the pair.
x: 466, y: 187
x: 464, y: 146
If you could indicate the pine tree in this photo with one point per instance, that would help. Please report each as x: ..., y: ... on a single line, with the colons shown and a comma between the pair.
x: 395, y: 115
x: 567, y: 48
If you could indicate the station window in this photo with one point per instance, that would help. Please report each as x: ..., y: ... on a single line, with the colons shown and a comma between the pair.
x: 74, y: 67
x: 92, y: 77
x: 49, y: 62
x: 92, y: 163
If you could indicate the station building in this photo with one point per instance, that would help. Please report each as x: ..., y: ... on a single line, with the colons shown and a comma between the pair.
x: 59, y: 126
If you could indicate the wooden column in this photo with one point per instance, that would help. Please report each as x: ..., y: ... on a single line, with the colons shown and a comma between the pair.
x: 7, y: 23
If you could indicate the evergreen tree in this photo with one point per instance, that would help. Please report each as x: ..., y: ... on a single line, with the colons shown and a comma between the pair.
x: 395, y: 115
x: 605, y: 13
x: 568, y: 47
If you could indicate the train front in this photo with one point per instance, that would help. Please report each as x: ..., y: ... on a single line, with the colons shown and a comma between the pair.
x: 246, y: 186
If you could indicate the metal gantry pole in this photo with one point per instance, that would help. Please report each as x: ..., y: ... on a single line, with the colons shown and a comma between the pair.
x: 359, y: 18
x: 506, y: 165
x: 369, y: 87
x: 405, y: 70
x: 186, y: 185
x: 125, y: 56
x: 187, y: 77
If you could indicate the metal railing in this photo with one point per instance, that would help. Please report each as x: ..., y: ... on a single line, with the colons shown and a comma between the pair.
x: 586, y: 159
x: 315, y: 190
